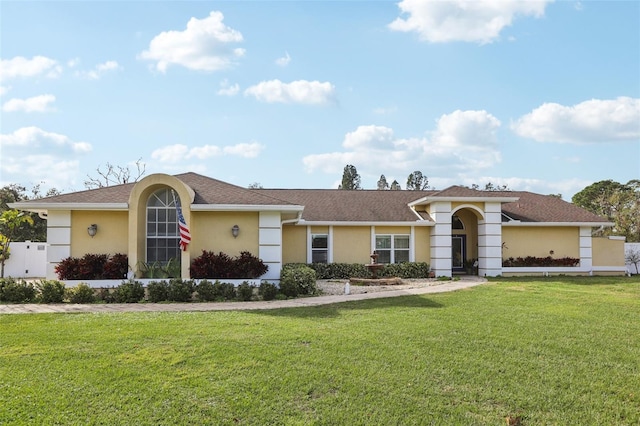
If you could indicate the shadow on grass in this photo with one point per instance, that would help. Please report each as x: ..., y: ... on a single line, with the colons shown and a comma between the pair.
x: 333, y: 310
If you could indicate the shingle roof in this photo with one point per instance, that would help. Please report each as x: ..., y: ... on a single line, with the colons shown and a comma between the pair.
x: 207, y: 190
x: 336, y: 205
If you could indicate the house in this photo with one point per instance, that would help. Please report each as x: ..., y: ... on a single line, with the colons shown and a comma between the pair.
x: 449, y: 229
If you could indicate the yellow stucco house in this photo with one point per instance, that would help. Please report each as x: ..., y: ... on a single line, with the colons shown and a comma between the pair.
x: 444, y: 228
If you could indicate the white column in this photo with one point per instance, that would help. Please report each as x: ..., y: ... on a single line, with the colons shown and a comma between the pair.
x: 490, y: 241
x: 441, y: 239
x: 586, y: 248
x: 59, y: 239
x: 270, y: 243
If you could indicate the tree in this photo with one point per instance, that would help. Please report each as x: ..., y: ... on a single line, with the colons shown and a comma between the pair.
x: 350, y: 178
x: 12, y: 193
x: 619, y: 203
x: 255, y: 185
x: 417, y: 181
x: 115, y: 175
x: 11, y: 222
x: 382, y: 183
x: 395, y: 186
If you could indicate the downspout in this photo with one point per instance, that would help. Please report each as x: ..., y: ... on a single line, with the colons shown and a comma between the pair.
x: 43, y: 215
x: 297, y: 219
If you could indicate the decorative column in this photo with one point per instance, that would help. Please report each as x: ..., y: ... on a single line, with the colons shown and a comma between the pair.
x: 490, y: 241
x: 59, y: 239
x: 270, y: 243
x: 440, y: 239
x: 586, y: 249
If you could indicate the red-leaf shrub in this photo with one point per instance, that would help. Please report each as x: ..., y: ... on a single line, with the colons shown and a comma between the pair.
x: 93, y: 267
x: 221, y: 265
x: 116, y: 267
x: 532, y: 261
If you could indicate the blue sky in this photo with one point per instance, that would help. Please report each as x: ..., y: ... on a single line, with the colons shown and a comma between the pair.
x: 540, y: 96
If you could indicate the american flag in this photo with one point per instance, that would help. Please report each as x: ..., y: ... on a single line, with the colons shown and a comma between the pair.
x: 185, y: 235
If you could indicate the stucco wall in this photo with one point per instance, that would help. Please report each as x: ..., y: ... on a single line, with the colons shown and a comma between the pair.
x: 351, y: 244
x: 294, y: 244
x: 111, y: 238
x: 211, y: 231
x: 422, y: 244
x: 608, y: 252
x: 539, y: 241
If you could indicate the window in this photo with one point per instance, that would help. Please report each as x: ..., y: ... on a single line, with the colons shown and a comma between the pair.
x: 319, y: 248
x: 392, y: 248
x: 456, y: 223
x: 163, y: 239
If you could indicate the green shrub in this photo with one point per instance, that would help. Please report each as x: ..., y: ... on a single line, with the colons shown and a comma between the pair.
x: 106, y: 295
x: 224, y: 291
x: 406, y: 270
x: 245, y: 291
x: 180, y: 290
x: 81, y: 293
x: 268, y: 291
x: 158, y: 291
x: 130, y: 291
x: 336, y: 271
x: 297, y: 279
x: 50, y: 291
x: 14, y: 291
x: 205, y: 291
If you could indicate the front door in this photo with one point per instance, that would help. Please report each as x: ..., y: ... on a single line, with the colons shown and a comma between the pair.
x: 458, y: 252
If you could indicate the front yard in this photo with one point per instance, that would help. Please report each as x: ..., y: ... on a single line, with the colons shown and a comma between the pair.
x: 547, y: 351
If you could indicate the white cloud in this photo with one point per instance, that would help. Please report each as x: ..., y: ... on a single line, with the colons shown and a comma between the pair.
x: 461, y: 140
x: 478, y: 21
x: 591, y: 121
x: 100, y: 70
x: 4, y: 90
x: 284, y: 61
x: 179, y: 153
x: 300, y: 91
x: 227, y: 89
x: 205, y: 45
x: 34, y: 137
x: 34, y: 104
x: 23, y: 67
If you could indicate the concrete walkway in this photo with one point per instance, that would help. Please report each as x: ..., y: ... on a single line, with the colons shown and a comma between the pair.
x: 445, y: 286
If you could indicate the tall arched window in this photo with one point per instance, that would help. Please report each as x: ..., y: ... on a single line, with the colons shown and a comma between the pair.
x: 163, y: 239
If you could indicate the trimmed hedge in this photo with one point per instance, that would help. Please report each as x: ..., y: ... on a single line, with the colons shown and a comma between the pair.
x: 336, y: 271
x: 297, y: 279
x: 532, y: 261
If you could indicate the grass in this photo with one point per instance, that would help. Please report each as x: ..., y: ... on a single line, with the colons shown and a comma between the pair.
x: 557, y: 350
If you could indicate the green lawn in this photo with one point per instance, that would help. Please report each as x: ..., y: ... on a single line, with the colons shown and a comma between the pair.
x: 555, y: 351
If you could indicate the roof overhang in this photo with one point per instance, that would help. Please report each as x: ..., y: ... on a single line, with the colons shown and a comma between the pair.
x: 303, y: 222
x: 245, y: 208
x: 565, y: 224
x: 432, y: 199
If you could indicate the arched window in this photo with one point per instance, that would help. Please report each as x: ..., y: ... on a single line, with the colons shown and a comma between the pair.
x: 456, y: 223
x: 163, y: 239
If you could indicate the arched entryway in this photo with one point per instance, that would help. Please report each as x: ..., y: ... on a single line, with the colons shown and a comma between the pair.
x: 464, y: 240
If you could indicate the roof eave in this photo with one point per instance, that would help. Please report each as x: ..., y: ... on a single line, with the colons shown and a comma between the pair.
x: 246, y: 208
x: 303, y: 222
x: 589, y: 224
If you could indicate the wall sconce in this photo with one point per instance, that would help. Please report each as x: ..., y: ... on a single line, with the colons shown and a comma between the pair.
x: 92, y: 230
x: 235, y: 231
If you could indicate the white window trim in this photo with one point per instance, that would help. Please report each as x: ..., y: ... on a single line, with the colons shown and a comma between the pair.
x: 329, y: 235
x: 412, y: 241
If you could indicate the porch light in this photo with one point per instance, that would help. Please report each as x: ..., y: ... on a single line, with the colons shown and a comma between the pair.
x: 235, y: 231
x: 92, y: 230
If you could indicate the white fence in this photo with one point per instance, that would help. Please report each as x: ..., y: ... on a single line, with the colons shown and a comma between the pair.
x: 628, y: 248
x: 26, y: 260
